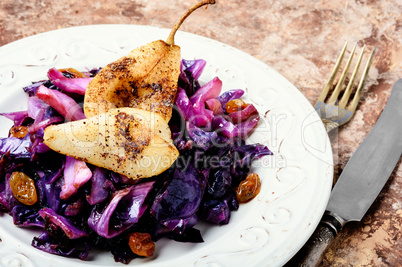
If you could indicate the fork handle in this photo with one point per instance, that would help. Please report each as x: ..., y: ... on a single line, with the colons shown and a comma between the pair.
x: 313, y: 251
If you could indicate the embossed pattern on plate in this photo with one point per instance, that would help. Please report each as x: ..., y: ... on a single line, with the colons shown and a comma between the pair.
x: 296, y: 180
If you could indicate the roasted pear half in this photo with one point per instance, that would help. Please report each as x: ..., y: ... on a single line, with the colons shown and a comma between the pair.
x: 133, y: 142
x: 146, y: 78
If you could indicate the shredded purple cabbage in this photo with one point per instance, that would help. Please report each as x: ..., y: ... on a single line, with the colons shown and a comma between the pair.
x: 15, y: 147
x: 214, y: 105
x: 194, y: 112
x: 18, y: 117
x: 176, y: 206
x: 81, y: 206
x: 61, y: 102
x: 71, y: 85
x: 242, y: 115
x: 53, y: 245
x: 101, y: 187
x: 191, y: 71
x: 76, y: 174
x: 126, y: 204
x: 60, y: 222
x: 211, y: 90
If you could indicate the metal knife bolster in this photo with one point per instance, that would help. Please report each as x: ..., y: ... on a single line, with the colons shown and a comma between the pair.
x: 333, y: 222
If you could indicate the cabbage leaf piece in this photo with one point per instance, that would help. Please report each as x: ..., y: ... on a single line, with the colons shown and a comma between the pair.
x: 177, y: 205
x: 69, y: 229
x: 76, y: 174
x: 71, y: 85
x: 124, y: 209
x: 49, y: 244
x: 61, y: 102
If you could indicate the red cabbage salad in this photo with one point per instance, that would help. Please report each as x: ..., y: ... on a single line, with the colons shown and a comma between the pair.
x: 79, y: 206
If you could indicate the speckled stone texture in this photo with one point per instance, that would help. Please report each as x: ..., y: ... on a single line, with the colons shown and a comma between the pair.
x: 301, y: 40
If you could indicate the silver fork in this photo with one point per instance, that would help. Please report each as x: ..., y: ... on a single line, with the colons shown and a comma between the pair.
x: 335, y: 112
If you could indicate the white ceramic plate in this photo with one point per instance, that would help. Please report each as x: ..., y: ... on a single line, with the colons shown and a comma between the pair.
x: 296, y: 181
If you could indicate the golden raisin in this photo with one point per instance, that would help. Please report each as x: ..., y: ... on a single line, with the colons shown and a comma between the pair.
x: 74, y: 72
x: 23, y: 188
x: 141, y: 244
x: 235, y: 105
x: 249, y: 188
x: 19, y: 131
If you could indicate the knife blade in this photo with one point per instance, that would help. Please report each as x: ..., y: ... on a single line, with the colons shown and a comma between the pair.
x: 360, y: 182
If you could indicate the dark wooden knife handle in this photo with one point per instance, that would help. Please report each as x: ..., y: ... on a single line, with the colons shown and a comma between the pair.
x: 312, y: 253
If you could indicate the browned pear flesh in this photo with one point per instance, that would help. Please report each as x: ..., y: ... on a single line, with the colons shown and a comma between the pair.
x: 133, y: 142
x: 146, y: 78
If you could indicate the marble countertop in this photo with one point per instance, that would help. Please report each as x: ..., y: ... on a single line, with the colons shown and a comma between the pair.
x: 301, y: 40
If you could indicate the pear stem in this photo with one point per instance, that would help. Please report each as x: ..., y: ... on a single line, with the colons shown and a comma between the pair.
x: 170, y: 39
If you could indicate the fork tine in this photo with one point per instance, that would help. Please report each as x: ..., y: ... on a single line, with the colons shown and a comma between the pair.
x: 338, y: 87
x: 358, y: 93
x: 348, y: 90
x: 325, y: 91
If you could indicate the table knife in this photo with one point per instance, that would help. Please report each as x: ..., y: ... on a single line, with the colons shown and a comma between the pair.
x: 360, y: 182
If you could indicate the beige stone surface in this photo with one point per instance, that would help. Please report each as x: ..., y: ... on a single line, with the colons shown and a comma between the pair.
x: 300, y: 39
